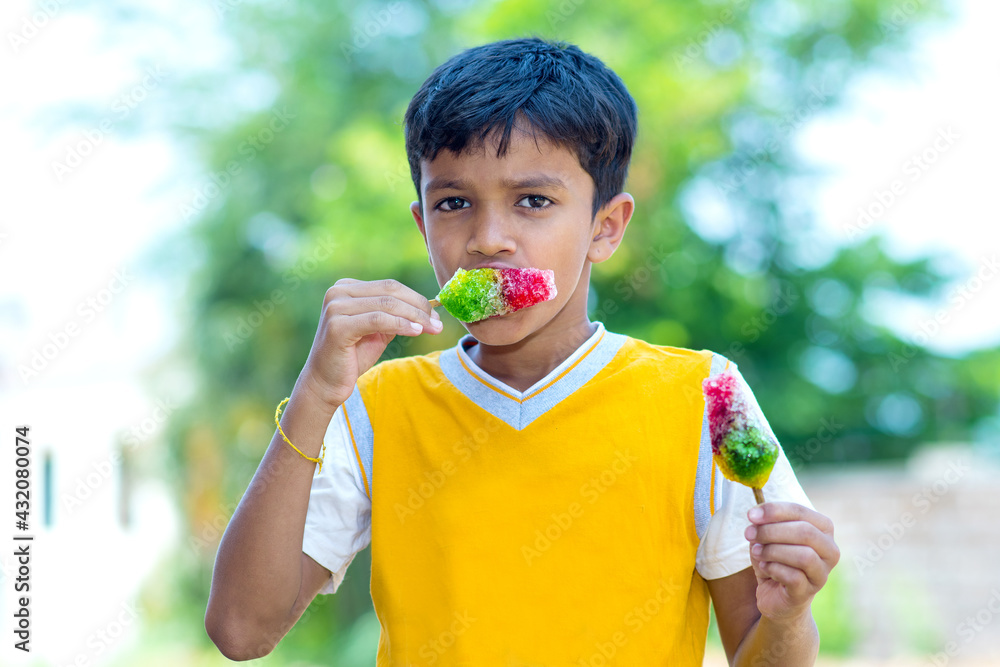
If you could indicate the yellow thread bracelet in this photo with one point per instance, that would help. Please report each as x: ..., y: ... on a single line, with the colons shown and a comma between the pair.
x: 277, y: 417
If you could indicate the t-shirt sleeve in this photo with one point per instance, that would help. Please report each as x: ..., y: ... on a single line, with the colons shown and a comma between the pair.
x: 338, y: 521
x: 723, y: 549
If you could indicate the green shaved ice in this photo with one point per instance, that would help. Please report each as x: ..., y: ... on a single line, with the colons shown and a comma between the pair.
x: 471, y: 296
x: 747, y: 456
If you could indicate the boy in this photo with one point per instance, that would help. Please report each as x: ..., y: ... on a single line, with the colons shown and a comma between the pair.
x: 543, y: 493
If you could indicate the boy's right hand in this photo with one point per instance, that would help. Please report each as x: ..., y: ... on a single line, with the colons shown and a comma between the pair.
x: 358, y: 321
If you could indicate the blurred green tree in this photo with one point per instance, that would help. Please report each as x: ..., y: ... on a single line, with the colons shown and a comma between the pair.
x: 308, y: 182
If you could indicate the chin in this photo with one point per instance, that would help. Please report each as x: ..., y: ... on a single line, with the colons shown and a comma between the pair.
x: 503, y: 330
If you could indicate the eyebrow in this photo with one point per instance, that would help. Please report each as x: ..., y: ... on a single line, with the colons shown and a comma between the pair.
x: 526, y: 183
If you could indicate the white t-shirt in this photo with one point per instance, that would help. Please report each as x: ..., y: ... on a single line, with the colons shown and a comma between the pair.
x: 338, y: 521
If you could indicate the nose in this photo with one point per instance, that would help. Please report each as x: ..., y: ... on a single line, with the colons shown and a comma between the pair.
x: 492, y: 234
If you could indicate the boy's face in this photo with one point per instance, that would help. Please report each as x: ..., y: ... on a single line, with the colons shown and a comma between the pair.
x: 530, y: 208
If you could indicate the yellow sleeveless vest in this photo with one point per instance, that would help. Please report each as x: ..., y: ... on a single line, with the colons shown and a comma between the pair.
x: 547, y: 529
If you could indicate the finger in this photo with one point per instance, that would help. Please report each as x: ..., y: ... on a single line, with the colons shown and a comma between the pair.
x: 776, y: 512
x: 798, y: 557
x: 355, y: 327
x: 338, y: 290
x: 797, y: 586
x: 755, y: 563
x: 796, y: 533
x: 384, y: 295
x: 350, y: 288
x: 388, y: 304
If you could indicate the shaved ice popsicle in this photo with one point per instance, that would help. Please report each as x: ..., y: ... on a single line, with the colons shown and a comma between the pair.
x: 743, y: 445
x: 474, y: 295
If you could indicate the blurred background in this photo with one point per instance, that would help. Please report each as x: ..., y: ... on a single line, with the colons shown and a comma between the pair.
x: 182, y: 181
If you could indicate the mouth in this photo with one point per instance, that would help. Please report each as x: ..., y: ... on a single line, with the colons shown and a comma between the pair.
x: 494, y: 265
x: 471, y: 295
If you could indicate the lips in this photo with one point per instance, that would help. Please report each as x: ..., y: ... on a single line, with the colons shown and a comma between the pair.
x: 495, y: 265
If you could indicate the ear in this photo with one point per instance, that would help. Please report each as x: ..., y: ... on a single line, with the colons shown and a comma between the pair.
x: 609, y: 227
x: 419, y: 219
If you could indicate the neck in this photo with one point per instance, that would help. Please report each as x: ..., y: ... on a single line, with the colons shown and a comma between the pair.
x: 526, y: 362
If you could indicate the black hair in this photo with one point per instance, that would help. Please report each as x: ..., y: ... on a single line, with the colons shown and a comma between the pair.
x: 556, y: 89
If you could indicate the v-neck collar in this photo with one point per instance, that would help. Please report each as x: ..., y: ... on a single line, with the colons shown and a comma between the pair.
x: 516, y: 408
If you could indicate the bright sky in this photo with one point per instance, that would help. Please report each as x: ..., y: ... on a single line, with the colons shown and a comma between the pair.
x: 73, y: 288
x: 932, y: 133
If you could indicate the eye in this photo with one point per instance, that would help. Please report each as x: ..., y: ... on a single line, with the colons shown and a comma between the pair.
x: 452, y: 204
x: 534, y: 201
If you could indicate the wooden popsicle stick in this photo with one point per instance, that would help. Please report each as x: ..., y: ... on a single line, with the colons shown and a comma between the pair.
x: 758, y: 495
x: 435, y: 303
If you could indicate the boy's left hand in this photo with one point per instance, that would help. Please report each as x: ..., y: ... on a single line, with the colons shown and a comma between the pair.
x: 792, y: 552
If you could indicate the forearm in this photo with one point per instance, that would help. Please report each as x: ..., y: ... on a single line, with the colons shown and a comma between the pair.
x: 773, y: 644
x: 258, y: 569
